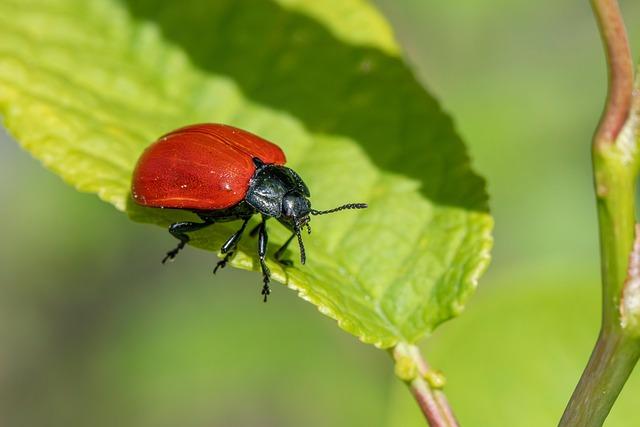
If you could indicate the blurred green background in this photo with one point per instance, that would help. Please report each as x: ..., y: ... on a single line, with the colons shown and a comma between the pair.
x: 96, y: 332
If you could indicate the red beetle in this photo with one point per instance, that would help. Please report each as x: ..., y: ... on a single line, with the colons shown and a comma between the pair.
x: 222, y: 173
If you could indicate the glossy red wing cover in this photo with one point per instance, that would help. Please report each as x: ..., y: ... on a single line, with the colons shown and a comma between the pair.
x: 203, y: 167
x: 247, y: 142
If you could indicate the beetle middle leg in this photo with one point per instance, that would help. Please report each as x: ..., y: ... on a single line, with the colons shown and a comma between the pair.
x: 229, y: 247
x: 179, y: 230
x: 263, y: 240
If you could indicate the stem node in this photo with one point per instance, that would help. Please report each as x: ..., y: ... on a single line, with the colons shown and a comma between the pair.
x: 425, y: 385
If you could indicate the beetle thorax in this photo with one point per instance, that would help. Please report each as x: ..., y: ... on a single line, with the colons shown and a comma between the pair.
x: 279, y: 192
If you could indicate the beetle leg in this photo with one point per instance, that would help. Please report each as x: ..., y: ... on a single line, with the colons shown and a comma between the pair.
x: 280, y: 252
x: 263, y: 240
x: 230, y: 246
x: 179, y: 230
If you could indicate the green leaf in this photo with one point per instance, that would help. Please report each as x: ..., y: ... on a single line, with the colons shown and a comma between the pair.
x: 85, y: 85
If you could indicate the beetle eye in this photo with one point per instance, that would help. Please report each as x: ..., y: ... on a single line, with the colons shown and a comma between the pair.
x: 287, y: 206
x: 295, y: 205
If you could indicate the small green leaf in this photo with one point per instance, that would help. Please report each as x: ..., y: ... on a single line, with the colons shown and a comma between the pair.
x: 85, y: 85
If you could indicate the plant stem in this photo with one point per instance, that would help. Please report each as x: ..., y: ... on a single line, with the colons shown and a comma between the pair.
x: 611, y: 363
x: 425, y: 385
x: 620, y: 66
x: 615, y: 165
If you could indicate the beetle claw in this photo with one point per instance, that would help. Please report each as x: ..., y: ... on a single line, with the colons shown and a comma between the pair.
x: 170, y: 256
x: 172, y: 253
x: 223, y: 262
x: 220, y: 264
x: 266, y: 291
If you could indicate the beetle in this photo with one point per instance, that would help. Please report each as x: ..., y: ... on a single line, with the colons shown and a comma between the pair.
x: 223, y: 173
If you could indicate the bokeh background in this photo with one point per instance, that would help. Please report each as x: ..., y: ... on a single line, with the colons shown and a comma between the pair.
x: 95, y: 331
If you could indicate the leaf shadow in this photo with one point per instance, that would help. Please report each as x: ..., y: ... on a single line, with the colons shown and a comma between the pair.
x: 291, y: 62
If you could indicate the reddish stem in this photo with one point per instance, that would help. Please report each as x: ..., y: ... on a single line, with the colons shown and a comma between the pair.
x: 620, y: 68
x: 432, y: 400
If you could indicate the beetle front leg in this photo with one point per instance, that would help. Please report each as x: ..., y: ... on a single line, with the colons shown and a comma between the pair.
x: 179, y: 230
x: 263, y: 240
x: 229, y: 247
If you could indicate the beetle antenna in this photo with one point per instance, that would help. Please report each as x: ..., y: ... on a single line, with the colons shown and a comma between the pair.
x: 303, y: 256
x: 340, y: 208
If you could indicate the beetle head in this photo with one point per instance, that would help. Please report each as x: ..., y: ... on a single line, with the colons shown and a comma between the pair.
x: 295, y: 213
x: 296, y: 208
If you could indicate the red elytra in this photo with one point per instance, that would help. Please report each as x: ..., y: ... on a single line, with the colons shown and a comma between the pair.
x: 203, y: 166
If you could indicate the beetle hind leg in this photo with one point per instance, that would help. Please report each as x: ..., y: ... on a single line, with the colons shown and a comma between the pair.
x: 179, y: 230
x: 229, y: 247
